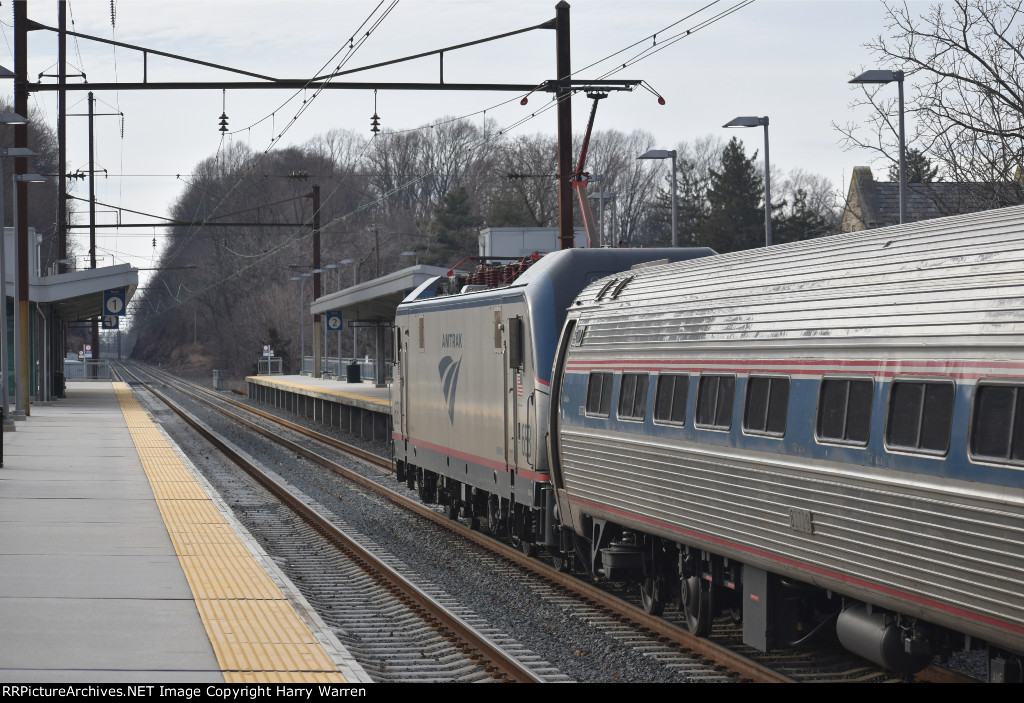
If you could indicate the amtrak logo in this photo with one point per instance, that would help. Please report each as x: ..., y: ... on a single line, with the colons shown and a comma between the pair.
x: 448, y: 369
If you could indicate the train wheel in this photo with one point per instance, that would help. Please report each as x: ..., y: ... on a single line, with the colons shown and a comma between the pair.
x: 560, y: 562
x: 652, y: 595
x: 696, y: 594
x: 452, y: 510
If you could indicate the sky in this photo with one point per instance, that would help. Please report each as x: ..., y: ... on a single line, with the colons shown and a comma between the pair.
x: 789, y: 60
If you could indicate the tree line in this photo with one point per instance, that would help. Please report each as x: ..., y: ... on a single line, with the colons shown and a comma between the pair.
x: 224, y: 283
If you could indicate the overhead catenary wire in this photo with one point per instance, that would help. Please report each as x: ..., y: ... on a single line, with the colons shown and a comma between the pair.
x: 275, y: 140
x: 298, y: 237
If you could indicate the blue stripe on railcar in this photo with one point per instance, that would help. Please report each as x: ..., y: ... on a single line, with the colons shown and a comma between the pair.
x: 800, y: 437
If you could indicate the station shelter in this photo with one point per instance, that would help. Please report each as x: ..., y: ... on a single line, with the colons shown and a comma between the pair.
x: 55, y: 301
x: 371, y: 305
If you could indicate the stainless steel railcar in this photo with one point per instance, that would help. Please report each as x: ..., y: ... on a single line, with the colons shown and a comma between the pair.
x: 823, y: 432
x: 470, y: 396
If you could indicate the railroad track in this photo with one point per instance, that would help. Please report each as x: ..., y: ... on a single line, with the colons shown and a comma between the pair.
x: 474, y: 653
x: 659, y: 638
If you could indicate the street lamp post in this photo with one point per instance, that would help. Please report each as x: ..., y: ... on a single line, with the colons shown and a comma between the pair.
x: 355, y: 280
x: 302, y: 328
x: 327, y: 344
x: 757, y: 122
x: 599, y: 179
x: 302, y: 318
x: 611, y: 197
x: 883, y: 77
x: 21, y: 361
x: 314, y: 333
x: 669, y: 154
x: 302, y: 321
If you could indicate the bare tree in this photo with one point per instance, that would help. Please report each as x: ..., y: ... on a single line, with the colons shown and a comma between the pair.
x: 965, y: 62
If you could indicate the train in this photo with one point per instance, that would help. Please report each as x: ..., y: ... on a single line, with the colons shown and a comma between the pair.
x: 822, y: 439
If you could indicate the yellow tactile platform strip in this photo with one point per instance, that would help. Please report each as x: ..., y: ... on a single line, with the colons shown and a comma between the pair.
x: 255, y: 632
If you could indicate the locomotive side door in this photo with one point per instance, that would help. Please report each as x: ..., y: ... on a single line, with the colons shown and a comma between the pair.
x: 517, y: 426
x: 401, y: 371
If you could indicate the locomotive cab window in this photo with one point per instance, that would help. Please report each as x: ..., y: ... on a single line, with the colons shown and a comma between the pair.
x: 670, y: 398
x: 997, y: 423
x: 844, y: 410
x: 714, y: 401
x: 599, y: 394
x: 920, y: 416
x: 766, y: 406
x: 633, y: 396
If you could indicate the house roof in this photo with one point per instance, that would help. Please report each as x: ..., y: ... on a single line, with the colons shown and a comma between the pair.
x: 873, y: 203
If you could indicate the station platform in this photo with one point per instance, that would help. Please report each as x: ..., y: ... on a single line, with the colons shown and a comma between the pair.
x: 357, y: 408
x: 119, y: 563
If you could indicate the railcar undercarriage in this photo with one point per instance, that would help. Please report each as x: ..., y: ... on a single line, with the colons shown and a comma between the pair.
x: 775, y: 611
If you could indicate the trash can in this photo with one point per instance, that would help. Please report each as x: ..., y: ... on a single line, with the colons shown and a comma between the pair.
x: 352, y: 373
x: 59, y: 389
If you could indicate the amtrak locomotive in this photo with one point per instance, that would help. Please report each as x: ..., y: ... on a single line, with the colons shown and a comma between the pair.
x: 825, y: 436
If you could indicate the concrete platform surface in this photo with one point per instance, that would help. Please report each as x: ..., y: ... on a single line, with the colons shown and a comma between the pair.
x: 90, y: 585
x: 92, y: 588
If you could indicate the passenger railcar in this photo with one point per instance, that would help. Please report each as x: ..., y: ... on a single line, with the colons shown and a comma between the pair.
x: 471, y: 389
x: 814, y: 435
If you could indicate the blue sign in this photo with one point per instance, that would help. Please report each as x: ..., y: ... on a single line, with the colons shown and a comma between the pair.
x: 114, y: 301
x: 334, y: 321
x: 111, y: 322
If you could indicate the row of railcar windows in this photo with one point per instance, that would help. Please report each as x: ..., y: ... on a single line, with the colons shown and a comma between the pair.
x: 920, y: 413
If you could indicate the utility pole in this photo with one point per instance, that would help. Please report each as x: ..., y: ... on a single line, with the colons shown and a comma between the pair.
x: 317, y: 319
x: 22, y: 312
x: 92, y: 225
x: 563, y: 94
x: 62, y: 137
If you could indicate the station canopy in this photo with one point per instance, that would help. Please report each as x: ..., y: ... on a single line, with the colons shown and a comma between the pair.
x: 375, y: 301
x: 78, y: 295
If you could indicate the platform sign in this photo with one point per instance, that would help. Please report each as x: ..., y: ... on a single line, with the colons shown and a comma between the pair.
x: 267, y: 351
x: 110, y: 322
x: 334, y: 322
x: 114, y: 301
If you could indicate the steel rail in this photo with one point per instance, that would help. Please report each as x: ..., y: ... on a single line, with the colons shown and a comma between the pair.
x: 500, y: 663
x: 626, y: 612
x: 706, y: 649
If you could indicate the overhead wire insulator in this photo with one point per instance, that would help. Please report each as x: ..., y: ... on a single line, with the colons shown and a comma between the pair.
x: 224, y: 111
x: 375, y: 120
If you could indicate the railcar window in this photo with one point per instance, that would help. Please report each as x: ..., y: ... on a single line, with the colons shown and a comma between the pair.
x: 844, y: 410
x: 599, y: 394
x: 767, y: 405
x: 920, y: 416
x: 714, y: 401
x: 633, y: 396
x: 670, y: 398
x: 997, y: 431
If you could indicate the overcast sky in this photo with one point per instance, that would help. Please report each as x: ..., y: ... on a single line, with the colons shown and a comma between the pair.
x: 787, y: 59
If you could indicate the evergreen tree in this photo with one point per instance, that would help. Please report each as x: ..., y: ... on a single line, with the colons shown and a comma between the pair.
x: 919, y: 168
x: 735, y: 218
x: 799, y: 221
